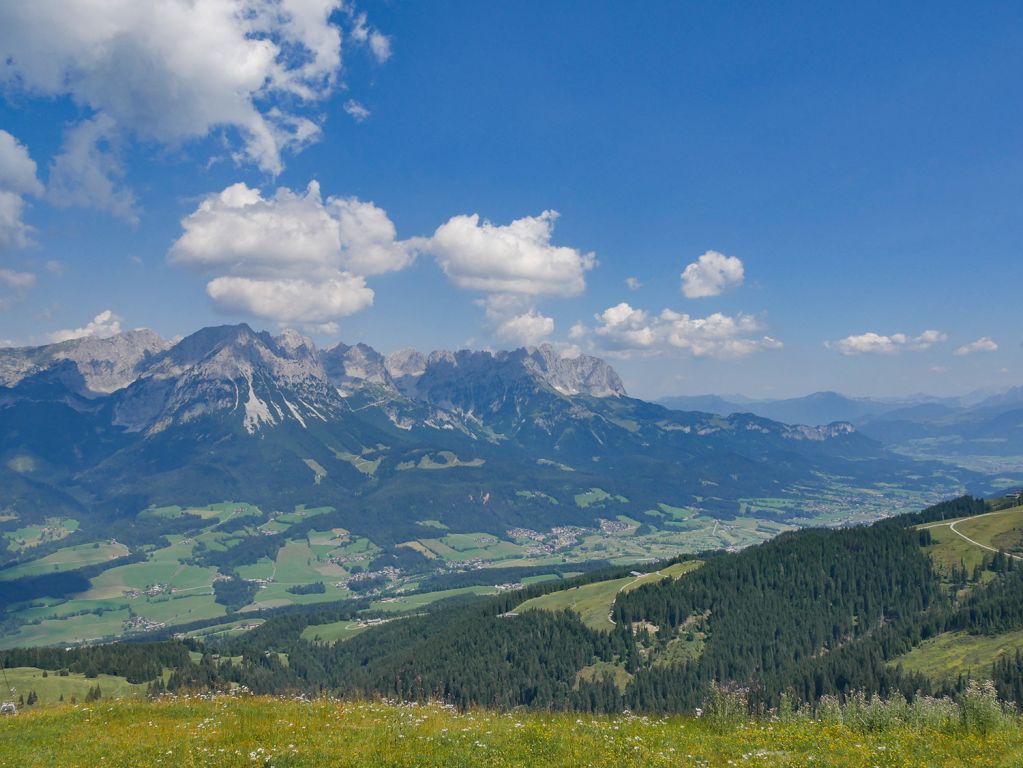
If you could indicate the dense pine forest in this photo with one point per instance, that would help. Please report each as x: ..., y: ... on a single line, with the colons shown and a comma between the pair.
x: 808, y: 614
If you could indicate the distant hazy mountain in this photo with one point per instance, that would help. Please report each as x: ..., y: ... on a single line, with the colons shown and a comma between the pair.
x: 818, y: 408
x: 991, y: 428
x: 951, y: 428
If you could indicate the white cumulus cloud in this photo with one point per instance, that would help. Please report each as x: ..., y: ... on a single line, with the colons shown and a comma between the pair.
x: 516, y: 258
x: 623, y: 328
x: 173, y: 71
x: 104, y: 325
x: 525, y: 330
x: 289, y: 257
x: 983, y: 344
x: 515, y: 264
x: 578, y: 331
x: 711, y: 275
x: 292, y: 300
x: 878, y: 344
x: 633, y: 284
x: 513, y: 319
x: 17, y: 179
x: 17, y: 168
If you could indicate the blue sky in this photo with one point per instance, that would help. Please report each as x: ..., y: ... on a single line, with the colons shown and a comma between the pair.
x: 850, y: 176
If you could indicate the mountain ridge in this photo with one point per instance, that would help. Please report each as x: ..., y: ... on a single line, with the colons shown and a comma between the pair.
x: 233, y: 413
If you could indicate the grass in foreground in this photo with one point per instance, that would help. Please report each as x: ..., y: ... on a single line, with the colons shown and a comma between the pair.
x: 277, y: 732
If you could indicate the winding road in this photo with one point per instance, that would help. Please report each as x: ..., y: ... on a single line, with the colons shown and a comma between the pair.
x: 951, y: 525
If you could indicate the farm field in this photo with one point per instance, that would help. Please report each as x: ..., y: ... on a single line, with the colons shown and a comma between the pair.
x: 593, y: 601
x: 263, y: 731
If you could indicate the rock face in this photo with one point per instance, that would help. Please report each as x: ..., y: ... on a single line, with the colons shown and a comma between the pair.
x: 224, y: 368
x: 823, y: 432
x: 356, y: 365
x: 405, y: 362
x: 231, y: 370
x: 106, y: 365
x: 574, y: 375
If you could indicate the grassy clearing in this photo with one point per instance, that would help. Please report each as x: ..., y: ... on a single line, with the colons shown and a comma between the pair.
x: 999, y: 530
x: 952, y: 653
x: 432, y: 524
x: 67, y: 559
x: 53, y: 529
x: 421, y: 548
x: 220, y: 512
x: 318, y: 471
x: 335, y: 631
x: 442, y: 460
x: 602, y: 669
x: 992, y: 531
x: 49, y: 689
x: 75, y: 629
x: 408, y: 603
x: 558, y: 464
x: 593, y: 601
x: 364, y: 465
x: 228, y: 628
x: 591, y: 497
x: 258, y: 731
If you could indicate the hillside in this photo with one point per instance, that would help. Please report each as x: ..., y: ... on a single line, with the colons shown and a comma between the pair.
x: 288, y: 732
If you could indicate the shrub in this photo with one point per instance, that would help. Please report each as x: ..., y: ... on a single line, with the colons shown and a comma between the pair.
x: 726, y: 705
x: 981, y: 710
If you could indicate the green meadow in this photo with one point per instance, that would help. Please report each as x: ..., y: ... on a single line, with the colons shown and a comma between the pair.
x: 290, y: 733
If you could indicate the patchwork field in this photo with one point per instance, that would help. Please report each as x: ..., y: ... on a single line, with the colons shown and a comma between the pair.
x: 175, y: 583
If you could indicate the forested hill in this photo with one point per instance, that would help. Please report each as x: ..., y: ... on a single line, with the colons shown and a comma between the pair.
x: 808, y: 614
x: 776, y: 612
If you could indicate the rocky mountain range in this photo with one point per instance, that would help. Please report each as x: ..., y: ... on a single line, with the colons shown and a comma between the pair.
x: 104, y: 428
